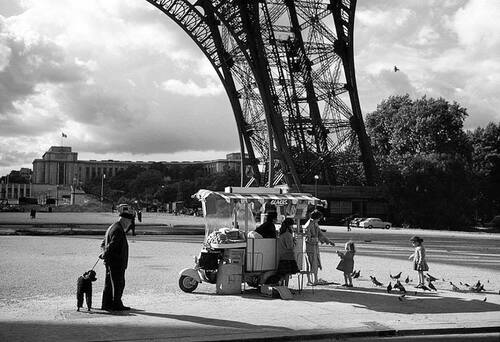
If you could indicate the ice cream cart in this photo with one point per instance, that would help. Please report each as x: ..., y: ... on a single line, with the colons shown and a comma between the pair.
x: 230, y: 256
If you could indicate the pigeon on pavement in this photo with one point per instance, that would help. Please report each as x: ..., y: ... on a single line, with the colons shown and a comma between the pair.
x: 454, y: 287
x: 407, y: 280
x: 355, y: 274
x: 375, y: 281
x: 431, y: 285
x: 431, y: 278
x: 425, y: 288
x: 399, y: 286
x: 395, y: 276
x: 389, y: 287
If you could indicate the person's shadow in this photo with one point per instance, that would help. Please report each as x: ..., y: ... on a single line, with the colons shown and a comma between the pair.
x: 214, y: 322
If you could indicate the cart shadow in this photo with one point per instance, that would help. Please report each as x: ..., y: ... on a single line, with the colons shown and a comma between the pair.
x: 223, y: 323
x: 412, y: 303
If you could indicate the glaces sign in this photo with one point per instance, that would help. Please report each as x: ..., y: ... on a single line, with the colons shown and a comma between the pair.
x: 279, y: 202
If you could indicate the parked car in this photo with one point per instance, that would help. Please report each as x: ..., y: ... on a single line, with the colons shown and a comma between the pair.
x: 495, y: 222
x: 355, y: 221
x: 373, y: 222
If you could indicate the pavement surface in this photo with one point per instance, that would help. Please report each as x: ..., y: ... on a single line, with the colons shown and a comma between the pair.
x: 37, y: 300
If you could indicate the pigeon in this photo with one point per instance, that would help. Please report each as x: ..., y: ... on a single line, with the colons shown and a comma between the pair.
x: 355, y: 274
x: 478, y: 287
x: 431, y: 278
x: 454, y: 287
x: 375, y: 281
x: 389, y: 287
x: 400, y: 298
x: 396, y: 69
x: 466, y: 284
x: 484, y: 300
x: 425, y: 288
x: 407, y: 280
x: 400, y: 286
x: 395, y: 276
x: 431, y: 285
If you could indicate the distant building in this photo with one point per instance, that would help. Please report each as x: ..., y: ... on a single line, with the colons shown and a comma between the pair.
x: 59, y: 172
x: 60, y: 166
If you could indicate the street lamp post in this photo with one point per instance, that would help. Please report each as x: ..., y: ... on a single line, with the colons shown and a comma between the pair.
x: 102, y: 187
x: 316, y: 177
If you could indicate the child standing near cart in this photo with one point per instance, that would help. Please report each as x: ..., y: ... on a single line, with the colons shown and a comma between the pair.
x: 346, y: 263
x: 287, y: 262
x: 419, y: 260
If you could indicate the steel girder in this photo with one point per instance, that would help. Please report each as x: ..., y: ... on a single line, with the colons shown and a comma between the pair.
x: 203, y: 30
x: 288, y: 69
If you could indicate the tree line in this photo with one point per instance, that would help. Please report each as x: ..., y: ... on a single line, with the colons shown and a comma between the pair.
x: 434, y: 173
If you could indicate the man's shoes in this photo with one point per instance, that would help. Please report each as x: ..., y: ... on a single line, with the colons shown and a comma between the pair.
x: 121, y: 308
x: 107, y: 308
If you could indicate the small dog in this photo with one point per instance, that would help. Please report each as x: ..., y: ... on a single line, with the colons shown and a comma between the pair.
x: 84, y: 286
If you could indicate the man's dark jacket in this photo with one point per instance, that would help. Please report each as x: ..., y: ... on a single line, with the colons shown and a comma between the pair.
x: 115, y: 247
x: 267, y: 230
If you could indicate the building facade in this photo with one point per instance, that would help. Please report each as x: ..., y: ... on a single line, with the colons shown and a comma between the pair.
x: 60, y: 166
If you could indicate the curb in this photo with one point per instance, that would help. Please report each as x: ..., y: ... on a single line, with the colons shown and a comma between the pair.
x: 72, y: 229
x: 359, y: 334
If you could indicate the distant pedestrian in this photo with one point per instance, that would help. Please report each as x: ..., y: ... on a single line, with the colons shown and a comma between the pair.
x: 139, y: 215
x: 115, y: 256
x: 419, y: 259
x: 346, y: 263
x: 348, y: 220
x: 131, y: 228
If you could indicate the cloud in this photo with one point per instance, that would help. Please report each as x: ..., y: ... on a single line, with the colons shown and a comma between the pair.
x: 26, y: 63
x: 190, y: 88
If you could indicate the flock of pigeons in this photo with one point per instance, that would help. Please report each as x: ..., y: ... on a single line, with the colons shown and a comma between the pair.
x: 477, y: 288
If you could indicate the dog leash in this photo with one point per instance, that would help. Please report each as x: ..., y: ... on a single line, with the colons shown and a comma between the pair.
x: 95, y: 263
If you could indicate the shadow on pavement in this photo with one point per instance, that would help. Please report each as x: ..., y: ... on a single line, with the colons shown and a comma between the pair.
x: 378, y: 300
x: 223, y: 323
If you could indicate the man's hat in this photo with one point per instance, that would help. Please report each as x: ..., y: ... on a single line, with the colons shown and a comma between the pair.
x: 127, y: 215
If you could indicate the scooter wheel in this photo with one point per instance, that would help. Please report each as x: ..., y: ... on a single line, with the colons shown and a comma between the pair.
x: 187, y: 284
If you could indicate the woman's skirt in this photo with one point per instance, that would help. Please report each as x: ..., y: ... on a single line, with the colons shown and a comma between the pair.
x: 287, y: 267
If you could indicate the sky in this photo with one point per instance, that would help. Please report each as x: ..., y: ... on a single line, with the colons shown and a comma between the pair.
x: 124, y: 82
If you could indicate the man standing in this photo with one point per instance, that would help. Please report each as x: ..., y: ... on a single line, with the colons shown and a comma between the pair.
x: 115, y: 256
x: 268, y: 229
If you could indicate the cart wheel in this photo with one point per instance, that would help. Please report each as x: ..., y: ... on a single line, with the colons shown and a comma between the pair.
x: 187, y: 284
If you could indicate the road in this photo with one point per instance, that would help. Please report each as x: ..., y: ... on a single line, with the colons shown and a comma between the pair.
x: 37, y: 290
x: 464, y: 249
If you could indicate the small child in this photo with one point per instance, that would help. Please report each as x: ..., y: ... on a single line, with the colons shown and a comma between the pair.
x: 419, y: 262
x: 346, y: 263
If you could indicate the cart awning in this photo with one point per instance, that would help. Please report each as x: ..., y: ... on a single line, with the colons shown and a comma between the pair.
x: 235, y: 197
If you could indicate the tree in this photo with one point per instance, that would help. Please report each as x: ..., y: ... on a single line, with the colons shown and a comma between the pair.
x: 486, y: 167
x: 425, y: 160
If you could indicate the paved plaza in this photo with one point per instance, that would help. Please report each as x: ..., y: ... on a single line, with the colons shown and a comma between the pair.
x: 37, y: 292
